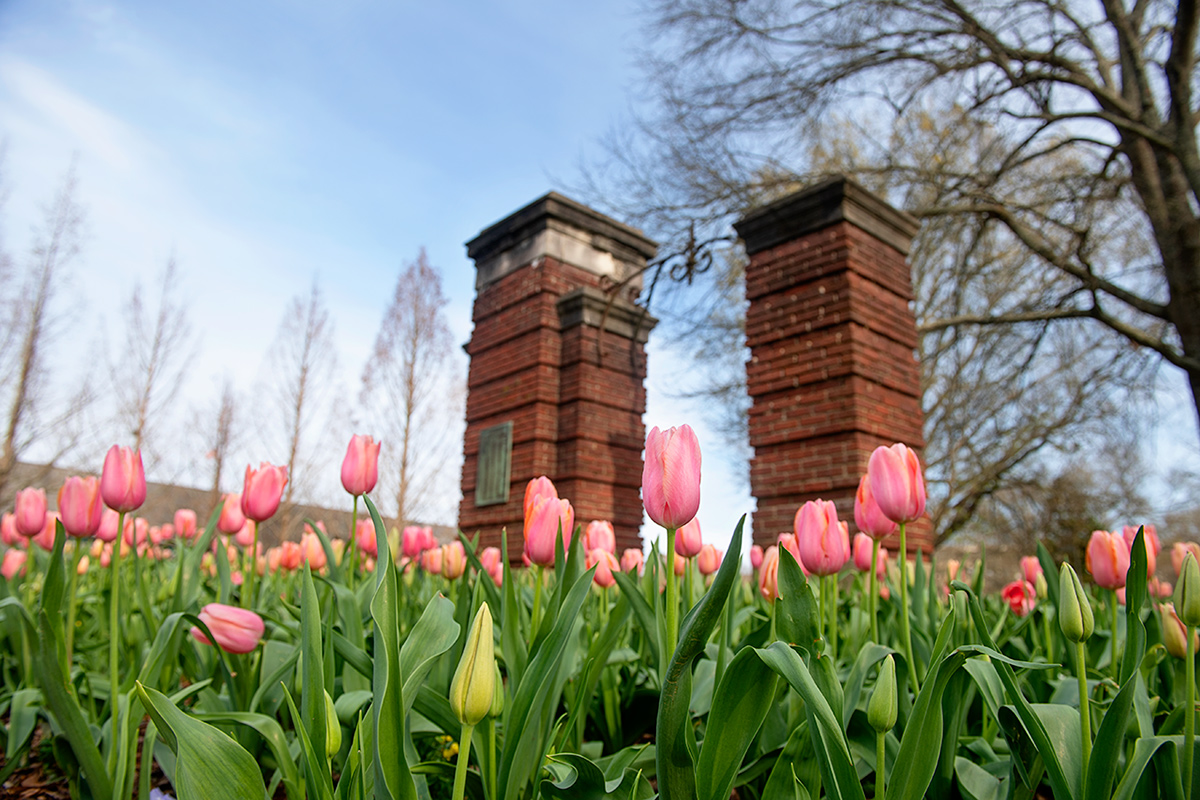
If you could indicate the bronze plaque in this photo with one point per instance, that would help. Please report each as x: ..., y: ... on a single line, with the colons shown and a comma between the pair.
x: 495, y: 458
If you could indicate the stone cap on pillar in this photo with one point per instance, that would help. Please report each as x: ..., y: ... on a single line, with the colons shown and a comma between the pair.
x: 590, y: 306
x: 567, y: 231
x: 832, y: 200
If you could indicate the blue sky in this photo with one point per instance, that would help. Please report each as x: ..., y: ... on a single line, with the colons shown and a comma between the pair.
x: 265, y: 144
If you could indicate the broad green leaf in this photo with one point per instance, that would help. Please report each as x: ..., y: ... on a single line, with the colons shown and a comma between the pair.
x: 641, y: 608
x: 739, y: 707
x: 975, y: 782
x: 1109, y: 744
x: 1135, y: 598
x: 1061, y: 727
x: 22, y: 719
x: 1164, y: 752
x: 512, y: 629
x: 312, y: 669
x: 321, y: 786
x: 208, y: 763
x: 331, y: 564
x: 272, y: 733
x: 434, y: 634
x: 797, y: 615
x: 583, y: 780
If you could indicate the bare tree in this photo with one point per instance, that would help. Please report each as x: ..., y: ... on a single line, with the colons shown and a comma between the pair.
x: 152, y: 363
x: 412, y: 388
x: 215, y: 429
x: 32, y: 416
x: 301, y: 370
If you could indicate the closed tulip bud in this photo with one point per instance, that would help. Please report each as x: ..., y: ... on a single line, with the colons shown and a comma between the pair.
x: 1187, y: 593
x: 768, y: 574
x: 123, y: 482
x: 13, y: 564
x: 365, y: 538
x: 632, y: 560
x: 671, y: 476
x: 544, y: 518
x: 30, y: 506
x: 756, y: 556
x: 867, y: 514
x: 709, y: 559
x: 454, y: 561
x: 599, y: 535
x: 688, y: 541
x: 80, y: 506
x: 232, y: 519
x: 882, y: 708
x: 237, y: 630
x: 1031, y: 568
x: 8, y: 530
x: 185, y: 523
x: 262, y: 491
x: 473, y: 688
x: 1074, y: 610
x: 823, y: 541
x: 1040, y: 586
x: 605, y: 564
x: 497, y: 695
x: 360, y: 467
x: 1175, y: 633
x: 897, y: 483
x: 333, y: 728
x: 1107, y: 559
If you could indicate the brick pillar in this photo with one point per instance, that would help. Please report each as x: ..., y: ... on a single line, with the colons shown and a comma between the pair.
x: 832, y: 371
x: 555, y: 355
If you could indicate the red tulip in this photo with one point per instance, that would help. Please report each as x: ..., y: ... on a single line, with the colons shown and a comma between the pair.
x: 30, y: 511
x: 263, y: 490
x: 185, y: 523
x: 897, y: 484
x: 1030, y: 568
x: 823, y: 541
x: 605, y: 564
x: 123, y: 482
x: 631, y: 560
x: 599, y: 535
x: 756, y: 556
x: 80, y: 505
x: 237, y: 630
x: 671, y: 476
x: 867, y: 514
x: 768, y: 574
x: 1107, y: 559
x: 1020, y: 596
x: 360, y: 467
x: 543, y: 520
x: 708, y: 560
x: 687, y: 538
x: 13, y: 564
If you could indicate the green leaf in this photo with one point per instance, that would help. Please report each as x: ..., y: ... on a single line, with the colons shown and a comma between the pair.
x: 870, y: 655
x: 583, y: 780
x: 641, y: 609
x: 1060, y: 726
x: 1109, y: 744
x: 320, y: 785
x: 312, y: 668
x: 1164, y: 752
x: 272, y: 733
x: 208, y: 763
x: 975, y: 782
x: 1135, y: 598
x: 22, y: 719
x: 331, y: 564
x: 434, y: 634
x: 741, y: 703
x: 797, y: 615
x: 393, y: 780
x: 512, y: 629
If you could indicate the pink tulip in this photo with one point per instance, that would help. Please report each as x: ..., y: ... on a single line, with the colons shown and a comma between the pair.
x: 863, y: 547
x: 1181, y: 549
x: 897, y: 484
x: 756, y: 556
x: 8, y: 530
x: 431, y: 561
x: 540, y: 486
x: 237, y: 630
x: 415, y: 540
x: 360, y: 467
x: 824, y: 542
x: 365, y: 537
x: 768, y: 574
x: 454, y: 560
x: 671, y: 476
x: 543, y: 521
x: 80, y: 505
x: 1150, y: 539
x: 232, y: 519
x: 708, y: 560
x: 1175, y: 633
x: 867, y: 514
x: 490, y: 560
x: 263, y: 490
x: 245, y: 537
x: 136, y: 530
x: 1020, y: 596
x: 1107, y: 559
x: 599, y: 535
x: 1030, y: 568
x: 166, y: 532
x: 605, y: 564
x: 30, y: 511
x: 291, y: 556
x: 680, y: 564
x: 13, y: 564
x: 687, y: 538
x: 313, y: 551
x: 1160, y: 589
x: 45, y: 539
x: 632, y: 560
x: 185, y: 523
x: 123, y: 482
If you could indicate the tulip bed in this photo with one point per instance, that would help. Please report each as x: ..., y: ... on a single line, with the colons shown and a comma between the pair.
x: 448, y: 672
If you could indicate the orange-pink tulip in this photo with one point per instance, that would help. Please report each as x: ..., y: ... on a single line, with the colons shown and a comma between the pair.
x: 232, y: 519
x: 45, y: 539
x: 897, y: 484
x: 416, y: 540
x: 768, y: 574
x: 8, y: 530
x: 245, y: 537
x: 13, y: 564
x: 632, y: 560
x: 237, y: 630
x: 688, y: 540
x: 823, y: 541
x: 431, y: 561
x: 869, y: 518
x: 708, y: 560
x: 671, y: 476
x: 1181, y: 549
x: 291, y: 556
x: 599, y: 535
x: 314, y: 552
x: 1175, y: 632
x: 107, y: 532
x: 185, y: 523
x: 262, y: 491
x: 30, y: 506
x: 360, y: 467
x: 605, y: 564
x: 1107, y: 559
x: 490, y: 560
x: 544, y: 519
x: 79, y: 505
x: 123, y: 482
x: 680, y: 564
x: 1150, y: 539
x: 454, y: 560
x: 84, y: 564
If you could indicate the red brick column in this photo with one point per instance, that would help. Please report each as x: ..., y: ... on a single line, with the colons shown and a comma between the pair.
x: 554, y: 353
x: 832, y: 372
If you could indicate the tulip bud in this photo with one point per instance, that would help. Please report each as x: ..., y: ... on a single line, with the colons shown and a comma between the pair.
x: 333, y: 728
x: 1075, y: 611
x: 1040, y: 586
x: 360, y: 467
x: 671, y: 476
x: 497, y: 695
x: 472, y: 691
x: 262, y: 491
x: 1187, y: 593
x: 123, y: 481
x: 882, y: 707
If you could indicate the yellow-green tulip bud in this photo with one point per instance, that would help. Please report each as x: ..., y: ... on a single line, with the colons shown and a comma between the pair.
x: 1187, y: 593
x: 497, y: 695
x: 473, y: 688
x: 1074, y: 610
x: 1040, y: 587
x: 333, y: 728
x: 882, y: 707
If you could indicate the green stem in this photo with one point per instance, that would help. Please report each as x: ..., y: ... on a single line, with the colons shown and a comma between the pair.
x: 1189, y: 724
x: 1085, y: 715
x: 489, y: 735
x: 833, y: 620
x: 880, y: 762
x: 114, y: 629
x: 248, y: 580
x: 821, y: 587
x: 353, y: 555
x: 460, y: 767
x: 723, y: 640
x: 874, y: 593
x: 904, y: 627
x: 537, y: 603
x: 1116, y: 665
x: 71, y: 588
x: 672, y: 610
